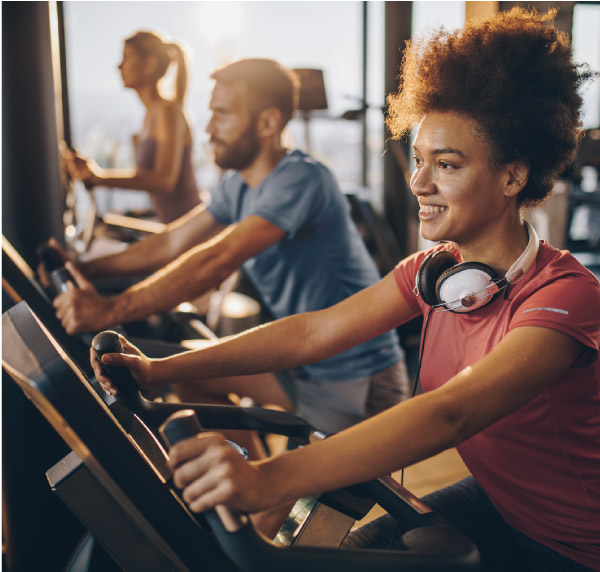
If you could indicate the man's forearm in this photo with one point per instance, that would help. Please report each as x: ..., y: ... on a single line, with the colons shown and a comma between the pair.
x: 138, y: 259
x: 156, y: 251
x: 188, y: 277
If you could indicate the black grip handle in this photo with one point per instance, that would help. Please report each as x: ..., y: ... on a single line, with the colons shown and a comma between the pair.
x: 183, y: 424
x: 49, y: 257
x: 60, y: 279
x: 55, y: 266
x: 108, y: 342
x: 179, y: 426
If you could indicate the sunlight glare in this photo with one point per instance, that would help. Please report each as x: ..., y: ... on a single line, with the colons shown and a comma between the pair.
x: 218, y: 20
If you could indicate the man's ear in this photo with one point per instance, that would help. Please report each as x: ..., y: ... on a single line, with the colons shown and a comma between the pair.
x: 268, y: 122
x: 518, y: 175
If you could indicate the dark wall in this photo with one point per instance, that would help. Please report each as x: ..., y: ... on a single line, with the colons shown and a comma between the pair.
x: 399, y: 203
x: 39, y: 532
x: 32, y: 195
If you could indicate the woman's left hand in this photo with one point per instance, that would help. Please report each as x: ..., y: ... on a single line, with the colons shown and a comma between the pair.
x: 211, y: 472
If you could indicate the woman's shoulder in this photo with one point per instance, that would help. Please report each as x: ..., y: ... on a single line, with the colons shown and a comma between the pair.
x: 558, y: 277
x: 165, y: 115
x: 553, y: 263
x: 167, y: 108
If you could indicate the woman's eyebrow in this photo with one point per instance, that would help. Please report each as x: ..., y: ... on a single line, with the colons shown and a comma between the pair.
x: 443, y: 151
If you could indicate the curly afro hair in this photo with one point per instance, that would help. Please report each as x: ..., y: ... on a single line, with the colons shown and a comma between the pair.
x: 513, y: 74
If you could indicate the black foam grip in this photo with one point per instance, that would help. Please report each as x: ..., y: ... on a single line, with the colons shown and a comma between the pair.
x: 127, y: 389
x: 49, y: 257
x: 60, y: 279
x: 179, y: 426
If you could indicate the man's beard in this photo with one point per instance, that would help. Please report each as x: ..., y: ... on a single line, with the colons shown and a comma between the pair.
x: 241, y: 153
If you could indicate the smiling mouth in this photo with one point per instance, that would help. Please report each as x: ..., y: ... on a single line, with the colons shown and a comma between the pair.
x: 430, y: 209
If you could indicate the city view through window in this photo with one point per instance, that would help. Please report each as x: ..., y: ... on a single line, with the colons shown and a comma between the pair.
x: 324, y: 35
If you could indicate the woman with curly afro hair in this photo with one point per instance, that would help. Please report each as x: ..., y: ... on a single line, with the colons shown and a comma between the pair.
x: 509, y: 351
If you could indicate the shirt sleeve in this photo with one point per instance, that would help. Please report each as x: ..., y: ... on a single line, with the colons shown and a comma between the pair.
x: 570, y: 304
x: 292, y: 197
x: 220, y: 204
x: 405, y: 274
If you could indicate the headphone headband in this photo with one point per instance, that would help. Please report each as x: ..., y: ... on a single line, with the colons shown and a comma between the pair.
x: 522, y: 264
x: 445, y: 284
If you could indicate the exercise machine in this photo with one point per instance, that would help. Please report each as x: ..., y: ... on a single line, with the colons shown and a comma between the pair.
x: 117, y: 482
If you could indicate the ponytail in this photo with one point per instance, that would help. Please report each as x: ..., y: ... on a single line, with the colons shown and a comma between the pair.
x: 178, y: 56
x: 151, y: 44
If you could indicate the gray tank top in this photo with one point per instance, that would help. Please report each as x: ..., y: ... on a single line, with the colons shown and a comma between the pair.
x: 185, y: 196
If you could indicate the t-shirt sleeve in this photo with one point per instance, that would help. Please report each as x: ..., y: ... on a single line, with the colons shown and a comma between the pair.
x: 291, y: 197
x: 570, y: 304
x: 220, y: 202
x: 405, y: 273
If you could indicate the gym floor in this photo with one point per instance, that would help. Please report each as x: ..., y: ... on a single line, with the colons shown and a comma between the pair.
x: 427, y: 476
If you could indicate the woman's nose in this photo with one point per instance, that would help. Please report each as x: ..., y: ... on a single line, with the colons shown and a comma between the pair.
x: 421, y: 182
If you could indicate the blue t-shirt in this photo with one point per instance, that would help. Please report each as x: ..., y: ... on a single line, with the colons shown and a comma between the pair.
x: 321, y: 261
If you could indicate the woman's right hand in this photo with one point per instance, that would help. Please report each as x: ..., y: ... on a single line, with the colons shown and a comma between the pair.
x: 133, y: 359
x: 83, y: 169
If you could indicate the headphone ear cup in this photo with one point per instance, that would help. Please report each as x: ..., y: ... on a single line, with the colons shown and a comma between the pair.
x: 467, y: 284
x: 434, y: 265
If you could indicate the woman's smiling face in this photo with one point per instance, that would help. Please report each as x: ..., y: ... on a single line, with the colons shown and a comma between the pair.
x: 460, y: 191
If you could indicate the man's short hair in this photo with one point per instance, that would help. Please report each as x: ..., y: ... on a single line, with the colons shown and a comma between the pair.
x: 268, y: 83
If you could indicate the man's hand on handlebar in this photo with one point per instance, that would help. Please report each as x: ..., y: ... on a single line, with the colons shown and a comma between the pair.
x: 139, y: 365
x: 82, y: 309
x: 211, y: 472
x: 43, y: 272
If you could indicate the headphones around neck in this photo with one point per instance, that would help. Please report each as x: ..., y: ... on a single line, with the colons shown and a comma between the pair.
x: 445, y: 284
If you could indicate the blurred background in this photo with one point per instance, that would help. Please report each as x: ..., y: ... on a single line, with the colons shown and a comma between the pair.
x: 60, y: 73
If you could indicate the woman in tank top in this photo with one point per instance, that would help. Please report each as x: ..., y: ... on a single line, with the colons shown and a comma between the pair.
x: 163, y: 147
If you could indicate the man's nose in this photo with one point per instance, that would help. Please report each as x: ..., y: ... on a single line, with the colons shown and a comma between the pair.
x: 210, y: 126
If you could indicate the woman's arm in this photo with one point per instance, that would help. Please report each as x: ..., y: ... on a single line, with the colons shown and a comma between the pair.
x: 295, y: 340
x: 285, y: 343
x: 171, y: 134
x: 526, y: 362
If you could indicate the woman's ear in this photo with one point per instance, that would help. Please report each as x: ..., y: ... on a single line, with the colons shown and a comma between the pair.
x: 518, y: 175
x: 150, y: 65
x: 268, y: 122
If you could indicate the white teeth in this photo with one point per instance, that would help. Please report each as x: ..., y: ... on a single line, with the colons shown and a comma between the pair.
x: 433, y: 210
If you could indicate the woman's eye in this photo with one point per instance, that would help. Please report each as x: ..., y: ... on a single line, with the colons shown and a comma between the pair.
x: 443, y: 165
x: 416, y: 160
